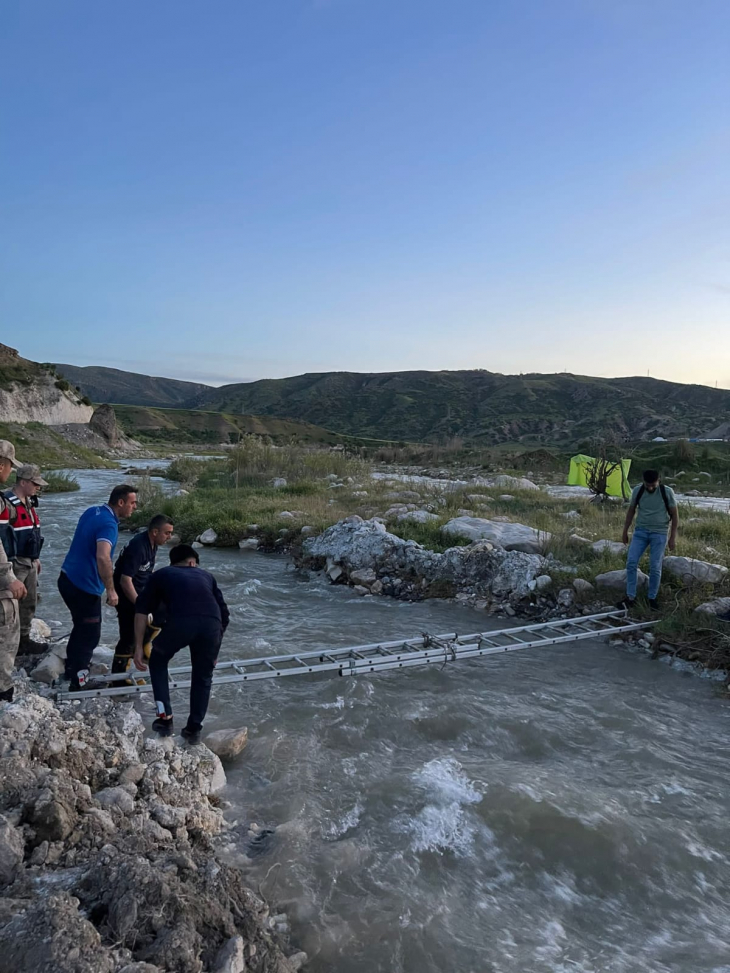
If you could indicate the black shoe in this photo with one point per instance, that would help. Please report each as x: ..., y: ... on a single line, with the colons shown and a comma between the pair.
x: 163, y: 727
x: 192, y: 736
x: 626, y: 604
x: 654, y: 604
x: 7, y: 695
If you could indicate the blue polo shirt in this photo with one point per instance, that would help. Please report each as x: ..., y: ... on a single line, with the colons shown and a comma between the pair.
x: 95, y: 524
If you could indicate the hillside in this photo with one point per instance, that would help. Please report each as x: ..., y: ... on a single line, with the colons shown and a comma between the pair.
x: 190, y: 426
x: 555, y: 409
x: 130, y: 388
x: 30, y: 392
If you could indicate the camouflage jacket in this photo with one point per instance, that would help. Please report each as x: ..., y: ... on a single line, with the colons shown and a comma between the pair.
x: 7, y: 575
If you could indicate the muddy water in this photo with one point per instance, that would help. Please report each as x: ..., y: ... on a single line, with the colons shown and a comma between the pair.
x: 561, y: 811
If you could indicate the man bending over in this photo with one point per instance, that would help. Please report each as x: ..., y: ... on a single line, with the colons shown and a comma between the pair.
x: 196, y: 616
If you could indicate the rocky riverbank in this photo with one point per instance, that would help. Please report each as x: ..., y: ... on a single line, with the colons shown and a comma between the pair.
x: 108, y: 859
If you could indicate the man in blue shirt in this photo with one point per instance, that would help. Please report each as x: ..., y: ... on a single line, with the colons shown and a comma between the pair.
x: 132, y: 571
x: 195, y: 615
x: 86, y: 573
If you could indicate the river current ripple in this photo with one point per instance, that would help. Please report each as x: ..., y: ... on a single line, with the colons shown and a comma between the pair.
x: 560, y: 811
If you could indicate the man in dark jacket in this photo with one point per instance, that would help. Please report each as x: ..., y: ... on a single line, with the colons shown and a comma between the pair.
x: 132, y: 571
x: 196, y: 616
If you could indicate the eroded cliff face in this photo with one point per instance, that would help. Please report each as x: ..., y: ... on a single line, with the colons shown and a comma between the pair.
x: 31, y: 393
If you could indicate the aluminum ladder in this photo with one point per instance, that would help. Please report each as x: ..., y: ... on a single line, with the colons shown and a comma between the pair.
x: 381, y: 656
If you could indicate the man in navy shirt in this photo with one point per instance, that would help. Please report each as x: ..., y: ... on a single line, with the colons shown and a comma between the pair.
x: 132, y: 571
x: 86, y: 573
x: 196, y: 616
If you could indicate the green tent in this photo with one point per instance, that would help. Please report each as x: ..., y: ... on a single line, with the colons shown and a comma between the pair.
x: 618, y: 482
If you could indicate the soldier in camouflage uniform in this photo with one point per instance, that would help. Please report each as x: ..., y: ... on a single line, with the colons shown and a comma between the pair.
x: 11, y: 591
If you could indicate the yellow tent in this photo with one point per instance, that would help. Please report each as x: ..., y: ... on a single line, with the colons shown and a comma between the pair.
x: 617, y: 484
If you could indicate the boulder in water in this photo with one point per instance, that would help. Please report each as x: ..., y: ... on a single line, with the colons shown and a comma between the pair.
x: 227, y: 744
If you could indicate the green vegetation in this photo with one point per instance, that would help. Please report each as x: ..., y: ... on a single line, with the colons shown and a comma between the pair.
x: 229, y: 495
x: 560, y: 409
x: 60, y: 483
x: 177, y: 427
x: 36, y: 443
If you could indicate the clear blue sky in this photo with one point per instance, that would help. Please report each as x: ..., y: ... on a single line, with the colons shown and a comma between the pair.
x: 235, y: 189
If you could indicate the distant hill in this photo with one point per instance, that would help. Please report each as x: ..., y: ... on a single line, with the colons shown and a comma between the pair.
x: 419, y: 406
x: 558, y: 409
x: 194, y: 426
x: 130, y: 388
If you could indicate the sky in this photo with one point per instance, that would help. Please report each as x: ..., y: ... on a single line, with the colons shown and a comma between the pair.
x: 237, y: 190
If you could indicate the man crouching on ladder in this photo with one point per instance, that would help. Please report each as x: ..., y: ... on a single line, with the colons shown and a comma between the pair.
x: 196, y: 616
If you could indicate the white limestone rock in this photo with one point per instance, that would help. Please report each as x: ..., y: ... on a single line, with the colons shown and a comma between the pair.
x: 512, y: 537
x: 692, y: 571
x: 616, y: 580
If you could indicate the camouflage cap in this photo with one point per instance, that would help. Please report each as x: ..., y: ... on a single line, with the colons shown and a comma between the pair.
x: 32, y: 473
x: 7, y: 451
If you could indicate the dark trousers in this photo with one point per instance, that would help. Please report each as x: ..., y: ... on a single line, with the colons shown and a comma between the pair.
x: 85, y: 611
x: 125, y: 646
x: 204, y: 636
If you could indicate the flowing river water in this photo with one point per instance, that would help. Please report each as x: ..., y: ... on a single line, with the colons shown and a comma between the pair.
x: 562, y: 811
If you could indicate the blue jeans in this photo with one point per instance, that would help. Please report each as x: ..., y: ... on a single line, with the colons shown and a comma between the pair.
x: 656, y: 541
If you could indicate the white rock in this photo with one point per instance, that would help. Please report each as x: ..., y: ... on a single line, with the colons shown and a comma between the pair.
x: 613, y: 547
x: 575, y: 540
x: 48, y: 669
x: 616, y: 580
x: 571, y: 515
x: 514, y: 482
x: 718, y: 606
x: 542, y: 582
x: 505, y: 496
x: 286, y: 515
x: 116, y: 797
x: 360, y: 589
x: 227, y: 744
x: 332, y: 477
x: 197, y: 545
x: 278, y: 482
x: 307, y: 531
x: 208, y: 536
x: 691, y: 570
x: 364, y: 577
x: 39, y: 630
x: 566, y: 597
x: 582, y: 586
x: 12, y: 848
x: 418, y: 516
x: 230, y: 957
x: 512, y: 537
x: 249, y: 544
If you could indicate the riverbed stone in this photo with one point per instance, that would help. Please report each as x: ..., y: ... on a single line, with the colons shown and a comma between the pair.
x: 49, y: 669
x: 12, y: 847
x: 718, y: 606
x: 208, y: 536
x: 111, y: 797
x: 364, y: 577
x: 612, y: 547
x: 583, y: 587
x: 542, y: 582
x: 227, y: 744
x: 249, y: 544
x: 418, y: 516
x: 691, y: 570
x: 40, y: 631
x: 514, y: 482
x: 512, y: 537
x: 230, y: 958
x: 616, y: 580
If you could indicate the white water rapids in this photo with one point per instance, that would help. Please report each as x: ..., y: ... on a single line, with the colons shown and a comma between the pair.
x: 554, y: 812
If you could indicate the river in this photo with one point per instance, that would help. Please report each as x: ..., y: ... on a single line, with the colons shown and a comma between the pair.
x: 561, y: 812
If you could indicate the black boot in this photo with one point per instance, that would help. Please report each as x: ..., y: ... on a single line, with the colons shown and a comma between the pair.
x: 162, y: 726
x: 191, y: 735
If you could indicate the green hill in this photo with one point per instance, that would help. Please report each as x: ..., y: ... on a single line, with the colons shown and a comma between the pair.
x: 196, y: 427
x: 114, y: 385
x: 554, y: 409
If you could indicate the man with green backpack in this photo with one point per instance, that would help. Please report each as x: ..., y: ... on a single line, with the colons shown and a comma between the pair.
x: 655, y: 507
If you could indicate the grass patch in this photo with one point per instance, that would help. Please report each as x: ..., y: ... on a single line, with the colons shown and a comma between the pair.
x: 60, y: 483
